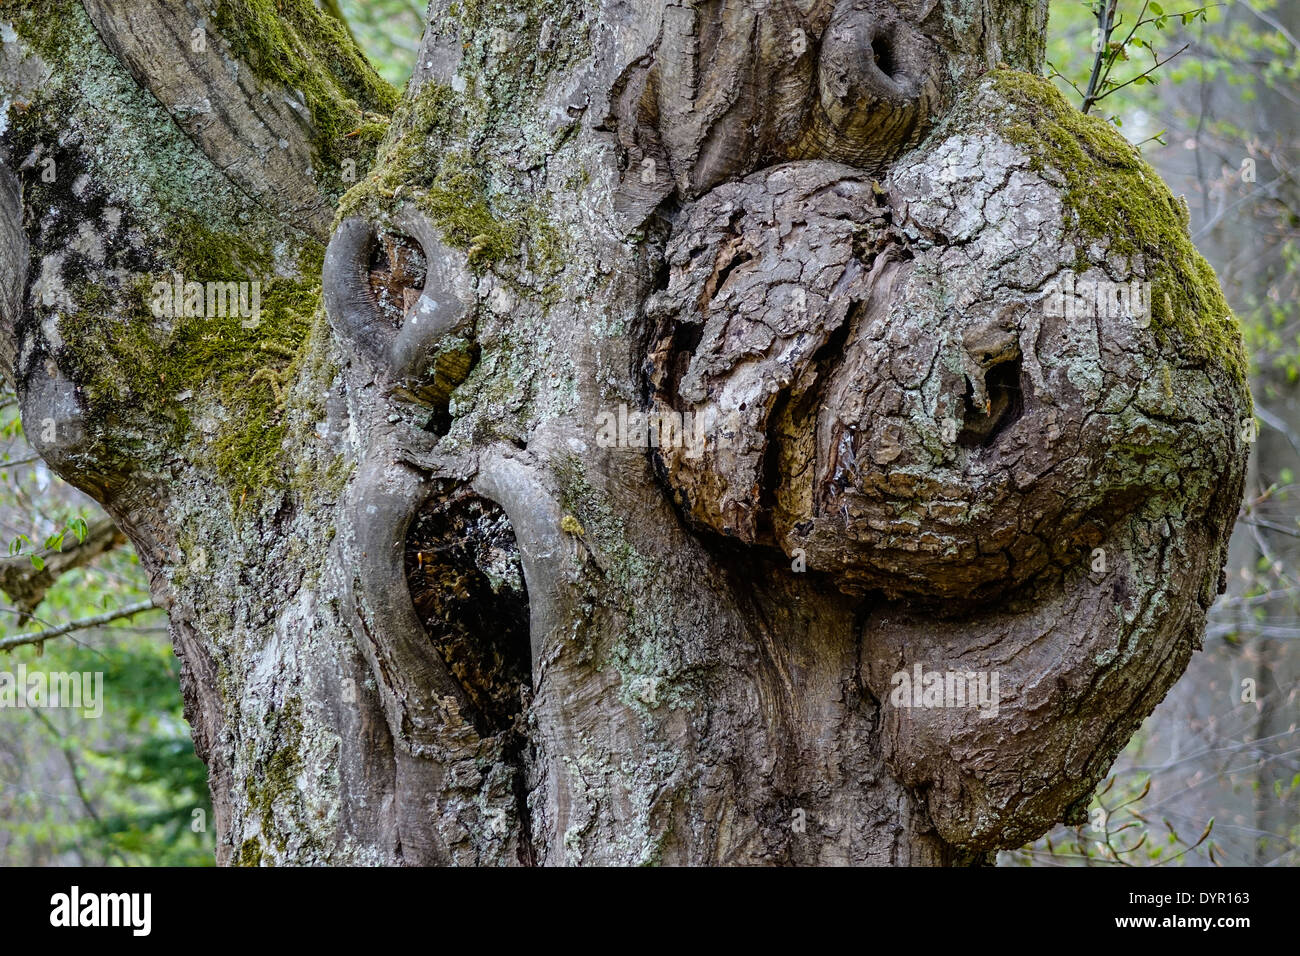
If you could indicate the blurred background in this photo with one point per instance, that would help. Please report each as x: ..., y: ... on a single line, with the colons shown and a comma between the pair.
x: 1211, y: 94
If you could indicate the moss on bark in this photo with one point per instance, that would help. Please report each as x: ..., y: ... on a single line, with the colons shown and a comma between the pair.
x: 294, y: 44
x: 1114, y: 197
x: 425, y: 161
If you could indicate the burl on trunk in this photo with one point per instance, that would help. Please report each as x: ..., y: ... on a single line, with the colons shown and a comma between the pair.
x: 673, y: 432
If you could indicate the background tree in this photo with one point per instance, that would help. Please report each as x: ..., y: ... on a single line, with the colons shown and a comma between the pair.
x: 123, y: 787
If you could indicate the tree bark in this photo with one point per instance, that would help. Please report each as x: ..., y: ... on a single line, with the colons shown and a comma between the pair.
x: 434, y: 605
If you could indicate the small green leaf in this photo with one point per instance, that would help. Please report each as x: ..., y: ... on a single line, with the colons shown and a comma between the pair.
x: 38, y: 562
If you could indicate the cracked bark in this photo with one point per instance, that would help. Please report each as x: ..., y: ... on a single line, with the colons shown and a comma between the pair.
x: 494, y: 640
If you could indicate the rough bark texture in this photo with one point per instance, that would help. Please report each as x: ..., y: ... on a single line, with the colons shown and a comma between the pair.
x: 426, y: 614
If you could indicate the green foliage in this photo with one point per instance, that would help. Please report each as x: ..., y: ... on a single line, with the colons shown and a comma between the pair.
x: 53, y: 542
x: 1121, y: 40
x: 122, y: 788
x: 137, y: 781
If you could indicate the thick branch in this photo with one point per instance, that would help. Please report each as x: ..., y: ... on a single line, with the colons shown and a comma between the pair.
x: 263, y: 100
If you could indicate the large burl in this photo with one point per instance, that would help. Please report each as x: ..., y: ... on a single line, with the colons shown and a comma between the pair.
x: 989, y: 386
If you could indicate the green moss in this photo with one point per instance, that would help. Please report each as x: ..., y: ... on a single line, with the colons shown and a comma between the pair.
x: 1115, y: 197
x: 44, y: 33
x: 250, y: 853
x: 424, y: 161
x: 457, y: 202
x: 295, y: 44
x: 372, y: 133
x: 421, y: 125
x: 586, y: 511
x: 547, y: 248
x: 128, y: 358
x: 200, y: 251
x: 333, y: 479
x: 274, y: 783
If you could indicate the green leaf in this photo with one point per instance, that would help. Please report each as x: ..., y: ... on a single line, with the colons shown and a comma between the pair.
x: 38, y: 562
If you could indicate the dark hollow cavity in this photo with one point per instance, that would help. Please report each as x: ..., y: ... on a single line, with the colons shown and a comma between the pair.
x: 1006, y: 403
x: 467, y: 583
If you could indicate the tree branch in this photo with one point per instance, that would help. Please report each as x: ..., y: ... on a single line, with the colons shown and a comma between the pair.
x: 18, y: 640
x: 26, y: 585
x: 1105, y: 18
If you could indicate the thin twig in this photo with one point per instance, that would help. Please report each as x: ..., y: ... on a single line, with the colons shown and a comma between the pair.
x: 18, y: 640
x: 1159, y: 64
x: 1105, y: 11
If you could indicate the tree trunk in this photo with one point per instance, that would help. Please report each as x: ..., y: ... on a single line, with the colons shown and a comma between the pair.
x: 440, y: 592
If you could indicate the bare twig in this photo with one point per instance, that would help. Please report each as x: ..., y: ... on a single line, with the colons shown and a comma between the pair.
x: 1105, y: 24
x: 18, y: 640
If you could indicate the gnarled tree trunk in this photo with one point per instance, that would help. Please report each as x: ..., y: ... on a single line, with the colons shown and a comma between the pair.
x: 436, y: 598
